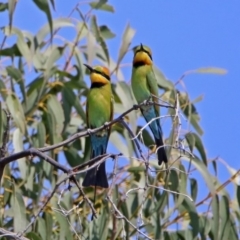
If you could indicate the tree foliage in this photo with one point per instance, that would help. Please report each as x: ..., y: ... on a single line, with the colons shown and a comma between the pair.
x: 43, y: 88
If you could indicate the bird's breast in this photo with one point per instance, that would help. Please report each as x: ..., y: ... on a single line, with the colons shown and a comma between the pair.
x: 99, y: 107
x: 139, y: 85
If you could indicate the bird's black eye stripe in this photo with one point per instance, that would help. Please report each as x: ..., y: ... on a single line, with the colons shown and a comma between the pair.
x: 103, y: 74
x: 143, y: 50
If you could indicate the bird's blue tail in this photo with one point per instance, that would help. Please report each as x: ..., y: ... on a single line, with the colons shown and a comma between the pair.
x: 97, y: 176
x: 149, y: 114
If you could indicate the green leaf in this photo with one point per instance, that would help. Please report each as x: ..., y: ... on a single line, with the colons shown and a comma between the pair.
x: 41, y: 134
x: 162, y: 201
x: 157, y: 226
x: 106, y: 32
x: 214, y: 166
x: 54, y: 53
x: 17, y: 75
x: 6, y: 184
x: 22, y: 45
x: 18, y: 147
x: 91, y: 47
x: 75, y: 81
x: 233, y: 172
x: 11, y: 8
x: 11, y: 51
x: 215, y: 211
x: 205, y: 226
x: 64, y: 228
x: 57, y: 23
x: 99, y: 225
x: 20, y: 221
x: 72, y: 156
x: 55, y: 109
x: 72, y: 100
x: 101, y: 5
x: 173, y: 180
x: 136, y: 169
x: 2, y: 166
x: 224, y: 215
x: 194, y: 188
x: 123, y: 92
x: 3, y: 90
x: 44, y: 6
x: 3, y: 7
x: 30, y: 179
x: 32, y: 95
x: 194, y: 140
x: 203, y: 171
x: 194, y: 221
x: 161, y: 80
x: 190, y: 112
x: 16, y: 111
x: 198, y: 99
x: 116, y: 140
x: 1, y: 129
x: 212, y: 70
x: 99, y: 38
x: 147, y: 138
x: 135, y: 203
x: 126, y: 41
x: 48, y: 217
x: 238, y: 195
x: 33, y: 236
x: 233, y: 234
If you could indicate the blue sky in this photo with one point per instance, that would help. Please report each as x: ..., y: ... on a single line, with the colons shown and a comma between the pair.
x: 186, y: 35
x: 183, y: 35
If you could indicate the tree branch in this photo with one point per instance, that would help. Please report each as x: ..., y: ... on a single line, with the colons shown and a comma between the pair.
x: 11, y: 235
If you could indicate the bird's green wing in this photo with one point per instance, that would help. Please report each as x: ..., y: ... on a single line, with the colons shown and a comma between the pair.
x: 87, y: 119
x: 153, y: 87
x: 111, y: 116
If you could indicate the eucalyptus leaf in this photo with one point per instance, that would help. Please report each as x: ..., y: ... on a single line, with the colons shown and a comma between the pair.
x: 43, y: 5
x: 16, y: 111
x: 102, y: 5
x: 20, y: 220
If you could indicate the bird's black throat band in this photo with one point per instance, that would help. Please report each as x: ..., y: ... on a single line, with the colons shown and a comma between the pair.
x: 139, y: 64
x: 97, y: 85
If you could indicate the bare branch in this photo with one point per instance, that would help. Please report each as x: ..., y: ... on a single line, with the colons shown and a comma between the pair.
x: 11, y: 235
x: 33, y: 152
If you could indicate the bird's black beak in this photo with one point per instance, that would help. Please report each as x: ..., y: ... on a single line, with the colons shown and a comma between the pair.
x: 88, y: 67
x: 142, y: 48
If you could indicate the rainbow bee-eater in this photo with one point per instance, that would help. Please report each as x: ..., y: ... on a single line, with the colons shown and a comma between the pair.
x: 144, y: 86
x: 99, y: 110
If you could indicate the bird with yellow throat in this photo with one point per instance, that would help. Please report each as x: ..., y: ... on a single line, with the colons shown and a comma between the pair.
x: 99, y: 110
x: 144, y: 87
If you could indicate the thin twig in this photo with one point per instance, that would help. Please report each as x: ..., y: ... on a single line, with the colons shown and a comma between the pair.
x: 121, y: 216
x: 94, y: 213
x: 34, y: 217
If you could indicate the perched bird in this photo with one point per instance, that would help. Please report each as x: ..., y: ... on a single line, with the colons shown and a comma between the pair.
x: 99, y: 111
x: 144, y: 86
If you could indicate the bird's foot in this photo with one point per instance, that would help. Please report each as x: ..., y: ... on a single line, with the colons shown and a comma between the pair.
x: 89, y: 131
x: 135, y: 107
x: 145, y: 102
x: 106, y: 124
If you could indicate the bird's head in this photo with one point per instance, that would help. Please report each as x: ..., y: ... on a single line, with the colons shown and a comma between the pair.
x: 99, y: 74
x: 143, y: 55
